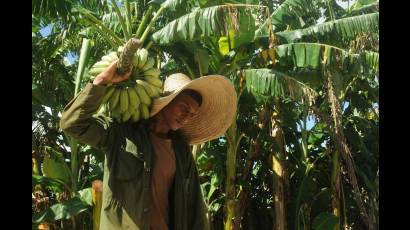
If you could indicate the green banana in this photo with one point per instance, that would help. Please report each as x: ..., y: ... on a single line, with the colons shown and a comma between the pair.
x: 135, y: 115
x: 116, y: 114
x: 107, y: 58
x: 147, y: 87
x: 113, y: 55
x: 153, y: 81
x: 133, y: 97
x: 123, y: 100
x: 95, y: 71
x: 135, y: 60
x: 145, y: 99
x: 144, y: 111
x: 143, y: 55
x: 113, y: 101
x: 153, y: 72
x: 149, y: 64
x: 130, y: 104
x: 157, y: 90
x: 101, y: 64
x: 125, y: 116
x: 107, y: 94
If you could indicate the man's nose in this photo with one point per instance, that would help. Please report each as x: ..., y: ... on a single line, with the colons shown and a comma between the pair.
x: 184, y: 118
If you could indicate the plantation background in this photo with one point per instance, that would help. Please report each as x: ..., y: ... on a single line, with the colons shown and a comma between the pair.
x: 302, y: 152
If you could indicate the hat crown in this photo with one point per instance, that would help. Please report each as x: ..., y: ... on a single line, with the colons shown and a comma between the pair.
x: 174, y: 82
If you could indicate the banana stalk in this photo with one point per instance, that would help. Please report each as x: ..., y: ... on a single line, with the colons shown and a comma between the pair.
x: 233, y: 140
x: 125, y: 60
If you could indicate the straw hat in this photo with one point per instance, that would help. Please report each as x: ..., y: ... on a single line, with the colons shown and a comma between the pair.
x: 216, y: 112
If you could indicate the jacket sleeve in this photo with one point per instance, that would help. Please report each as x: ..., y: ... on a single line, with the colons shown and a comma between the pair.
x: 197, y: 215
x: 78, y: 121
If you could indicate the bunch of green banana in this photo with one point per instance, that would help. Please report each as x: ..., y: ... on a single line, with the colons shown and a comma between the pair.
x: 105, y: 61
x: 130, y: 100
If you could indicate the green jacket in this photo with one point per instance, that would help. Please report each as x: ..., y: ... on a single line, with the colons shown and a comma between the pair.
x: 128, y: 167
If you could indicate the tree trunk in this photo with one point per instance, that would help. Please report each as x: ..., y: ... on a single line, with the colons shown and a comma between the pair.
x: 230, y: 178
x: 279, y: 194
x: 280, y: 179
x: 336, y: 195
x: 244, y: 195
x: 233, y: 140
x: 342, y: 147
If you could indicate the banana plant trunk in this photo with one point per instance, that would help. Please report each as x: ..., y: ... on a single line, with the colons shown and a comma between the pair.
x: 279, y: 175
x: 82, y: 62
x: 243, y: 199
x: 336, y: 194
x: 233, y: 139
x: 84, y: 54
x: 341, y: 145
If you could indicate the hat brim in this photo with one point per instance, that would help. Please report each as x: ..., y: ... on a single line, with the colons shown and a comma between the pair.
x: 215, y: 115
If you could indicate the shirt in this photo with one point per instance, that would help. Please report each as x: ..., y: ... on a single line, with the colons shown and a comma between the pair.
x: 162, y: 179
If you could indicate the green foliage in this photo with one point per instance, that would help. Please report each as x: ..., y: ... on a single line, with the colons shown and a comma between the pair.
x: 280, y: 79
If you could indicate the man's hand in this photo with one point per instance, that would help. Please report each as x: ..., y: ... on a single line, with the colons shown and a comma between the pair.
x: 110, y: 75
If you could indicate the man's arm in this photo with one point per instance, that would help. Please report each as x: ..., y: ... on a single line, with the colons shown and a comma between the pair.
x: 77, y: 119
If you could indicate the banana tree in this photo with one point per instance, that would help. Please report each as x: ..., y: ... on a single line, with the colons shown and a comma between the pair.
x: 233, y: 138
x: 270, y: 86
x: 185, y: 29
x: 309, y: 58
x: 50, y: 171
x: 53, y: 164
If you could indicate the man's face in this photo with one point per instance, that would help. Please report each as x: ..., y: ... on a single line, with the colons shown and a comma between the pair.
x: 180, y: 110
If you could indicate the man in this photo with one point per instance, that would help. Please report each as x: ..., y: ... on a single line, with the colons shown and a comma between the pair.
x: 150, y: 177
